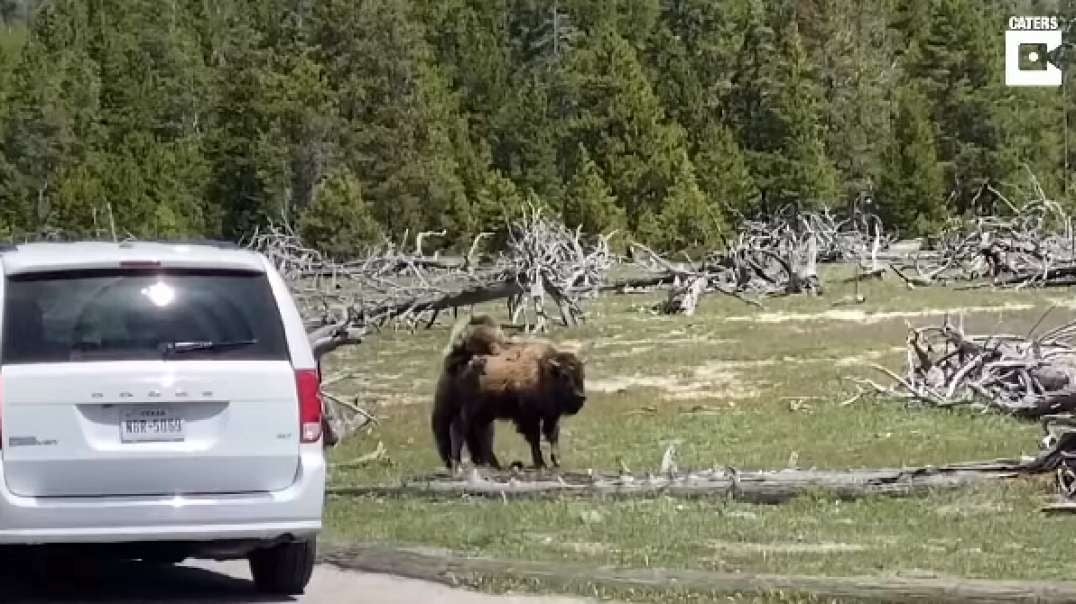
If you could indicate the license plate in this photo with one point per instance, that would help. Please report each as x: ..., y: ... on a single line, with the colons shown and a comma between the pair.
x: 150, y: 424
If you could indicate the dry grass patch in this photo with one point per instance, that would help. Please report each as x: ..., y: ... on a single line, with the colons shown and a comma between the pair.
x: 861, y: 316
x: 713, y: 380
x: 824, y: 547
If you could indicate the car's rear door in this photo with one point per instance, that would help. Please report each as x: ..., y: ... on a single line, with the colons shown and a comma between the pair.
x: 143, y: 381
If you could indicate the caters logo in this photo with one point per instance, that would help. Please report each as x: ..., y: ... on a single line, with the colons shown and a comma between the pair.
x: 1034, y: 23
x: 1031, y: 44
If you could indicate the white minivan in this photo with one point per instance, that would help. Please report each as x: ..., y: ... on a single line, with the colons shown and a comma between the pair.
x: 159, y: 400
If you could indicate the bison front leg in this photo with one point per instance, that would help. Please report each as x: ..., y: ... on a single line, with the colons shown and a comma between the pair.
x: 531, y: 431
x: 551, y: 430
x: 482, y: 447
x: 457, y: 437
x: 487, y: 450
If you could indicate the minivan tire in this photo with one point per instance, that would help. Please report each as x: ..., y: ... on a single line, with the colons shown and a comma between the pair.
x: 283, y: 569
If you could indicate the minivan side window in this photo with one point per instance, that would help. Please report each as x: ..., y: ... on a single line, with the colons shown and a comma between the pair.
x: 177, y: 315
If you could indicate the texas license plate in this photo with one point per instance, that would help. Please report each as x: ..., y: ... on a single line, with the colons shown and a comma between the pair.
x: 150, y: 424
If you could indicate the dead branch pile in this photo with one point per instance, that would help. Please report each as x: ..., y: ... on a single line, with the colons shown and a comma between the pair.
x: 1060, y: 437
x: 744, y: 272
x: 341, y: 302
x: 776, y: 256
x: 839, y: 239
x: 544, y: 257
x: 1032, y: 244
x: 1023, y: 375
x: 399, y: 286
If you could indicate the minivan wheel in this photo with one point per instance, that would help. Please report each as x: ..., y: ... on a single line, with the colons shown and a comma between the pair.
x: 283, y: 569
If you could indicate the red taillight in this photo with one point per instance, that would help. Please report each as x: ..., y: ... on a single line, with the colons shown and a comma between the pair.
x: 308, y: 385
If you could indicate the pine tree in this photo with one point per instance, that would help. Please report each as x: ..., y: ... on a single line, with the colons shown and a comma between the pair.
x: 340, y: 222
x: 848, y: 43
x: 691, y: 59
x: 500, y: 204
x: 497, y: 202
x: 620, y: 122
x: 909, y: 21
x: 154, y: 93
x: 8, y: 59
x: 243, y: 158
x: 398, y: 113
x: 470, y: 40
x: 722, y: 173
x: 687, y: 218
x: 302, y: 120
x: 955, y: 63
x: 589, y: 203
x: 911, y: 193
x: 526, y: 134
x: 637, y: 20
x: 754, y: 84
x: 53, y: 115
x: 776, y: 101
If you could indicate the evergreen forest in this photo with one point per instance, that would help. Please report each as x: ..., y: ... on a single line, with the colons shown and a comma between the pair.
x: 667, y: 120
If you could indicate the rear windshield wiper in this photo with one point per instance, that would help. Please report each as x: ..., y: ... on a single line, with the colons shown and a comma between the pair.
x: 171, y: 348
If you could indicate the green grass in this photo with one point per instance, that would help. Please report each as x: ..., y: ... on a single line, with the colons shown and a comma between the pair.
x: 746, y: 367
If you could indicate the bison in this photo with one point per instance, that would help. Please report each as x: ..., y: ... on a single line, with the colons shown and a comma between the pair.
x: 486, y: 377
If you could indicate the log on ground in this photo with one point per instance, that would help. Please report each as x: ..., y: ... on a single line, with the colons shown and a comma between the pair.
x: 764, y: 487
x: 457, y: 570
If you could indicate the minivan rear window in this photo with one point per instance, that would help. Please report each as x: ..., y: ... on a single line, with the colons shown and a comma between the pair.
x: 177, y: 315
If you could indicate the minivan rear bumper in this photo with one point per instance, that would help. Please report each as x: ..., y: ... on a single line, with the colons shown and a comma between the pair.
x: 295, y: 511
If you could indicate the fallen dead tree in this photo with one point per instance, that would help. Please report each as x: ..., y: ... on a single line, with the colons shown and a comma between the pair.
x: 778, y: 256
x: 398, y: 285
x: 457, y: 570
x: 764, y: 487
x: 545, y: 258
x: 1032, y: 244
x: 839, y: 239
x: 394, y: 285
x: 1023, y: 375
x: 745, y: 273
x: 1060, y: 437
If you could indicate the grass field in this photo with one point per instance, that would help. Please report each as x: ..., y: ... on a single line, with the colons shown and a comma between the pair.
x: 735, y: 386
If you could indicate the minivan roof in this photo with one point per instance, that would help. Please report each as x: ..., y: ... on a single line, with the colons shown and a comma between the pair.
x: 82, y: 255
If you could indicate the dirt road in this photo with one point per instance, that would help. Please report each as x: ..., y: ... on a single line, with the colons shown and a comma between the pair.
x: 203, y: 582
